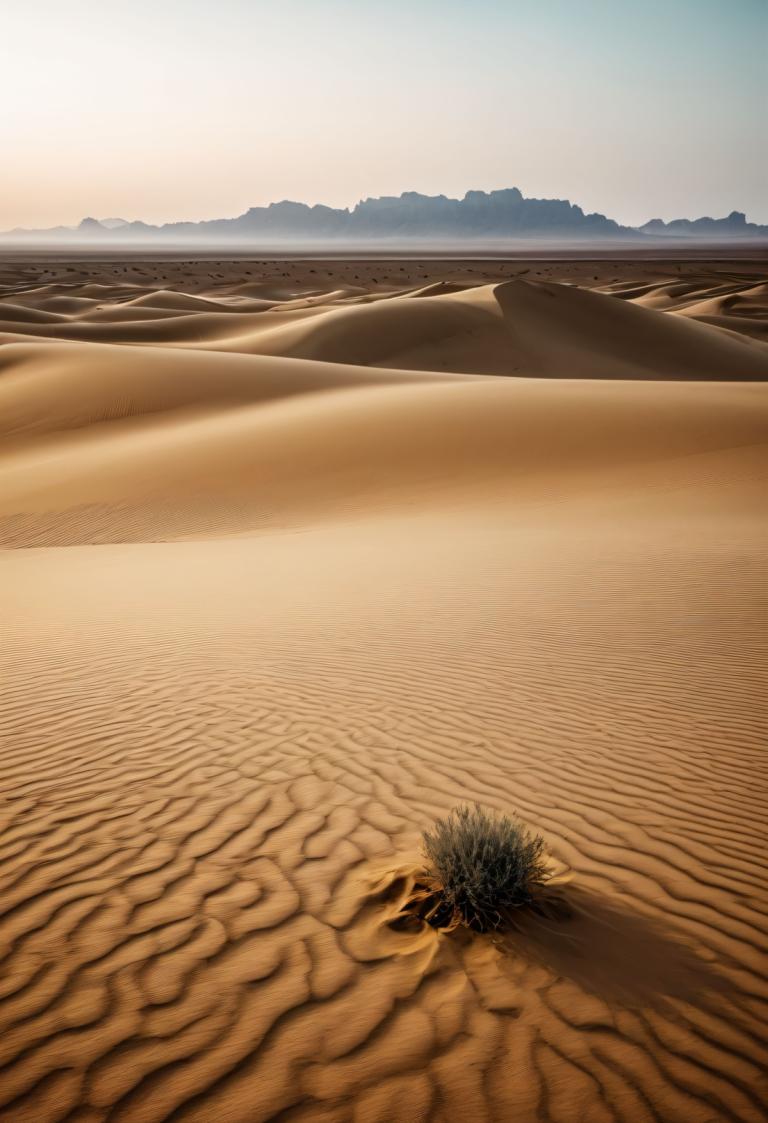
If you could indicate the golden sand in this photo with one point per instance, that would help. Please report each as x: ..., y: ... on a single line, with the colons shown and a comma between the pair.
x: 299, y: 556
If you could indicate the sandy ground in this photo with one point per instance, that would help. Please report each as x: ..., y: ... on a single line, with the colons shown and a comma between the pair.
x: 298, y: 556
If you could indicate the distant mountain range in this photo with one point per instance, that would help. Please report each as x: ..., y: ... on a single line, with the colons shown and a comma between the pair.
x: 480, y: 217
x: 734, y: 226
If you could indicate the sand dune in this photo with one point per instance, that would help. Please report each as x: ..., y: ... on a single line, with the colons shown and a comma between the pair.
x: 294, y: 563
x: 61, y: 386
x: 524, y: 328
x: 538, y: 330
x: 198, y: 461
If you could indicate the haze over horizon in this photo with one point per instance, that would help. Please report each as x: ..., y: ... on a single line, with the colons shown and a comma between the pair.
x: 634, y: 113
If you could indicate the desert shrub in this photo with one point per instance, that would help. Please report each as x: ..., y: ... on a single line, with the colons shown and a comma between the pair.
x: 481, y: 865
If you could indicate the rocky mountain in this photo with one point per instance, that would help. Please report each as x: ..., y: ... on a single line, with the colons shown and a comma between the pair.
x: 734, y: 226
x: 411, y: 216
x: 480, y: 217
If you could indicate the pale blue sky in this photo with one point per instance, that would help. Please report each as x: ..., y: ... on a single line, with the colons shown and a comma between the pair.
x: 186, y: 109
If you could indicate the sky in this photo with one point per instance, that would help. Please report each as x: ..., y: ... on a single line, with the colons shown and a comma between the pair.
x: 187, y: 109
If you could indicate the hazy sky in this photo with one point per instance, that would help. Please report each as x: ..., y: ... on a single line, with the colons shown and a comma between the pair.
x: 187, y: 109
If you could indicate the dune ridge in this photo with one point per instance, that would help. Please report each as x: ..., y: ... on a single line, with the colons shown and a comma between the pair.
x: 517, y: 327
x: 298, y: 556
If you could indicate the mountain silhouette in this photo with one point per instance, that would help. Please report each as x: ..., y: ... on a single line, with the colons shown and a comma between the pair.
x: 480, y: 217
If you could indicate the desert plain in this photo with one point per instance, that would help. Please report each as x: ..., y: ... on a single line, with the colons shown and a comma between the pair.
x: 298, y: 555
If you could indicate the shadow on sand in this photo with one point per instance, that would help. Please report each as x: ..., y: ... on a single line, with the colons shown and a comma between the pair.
x: 613, y: 952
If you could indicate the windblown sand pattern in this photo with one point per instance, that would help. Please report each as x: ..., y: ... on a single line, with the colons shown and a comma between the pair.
x: 300, y: 555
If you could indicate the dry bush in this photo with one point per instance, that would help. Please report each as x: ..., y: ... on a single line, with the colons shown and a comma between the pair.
x: 481, y: 866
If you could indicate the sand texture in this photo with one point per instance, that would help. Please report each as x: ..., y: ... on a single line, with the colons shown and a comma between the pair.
x: 299, y: 555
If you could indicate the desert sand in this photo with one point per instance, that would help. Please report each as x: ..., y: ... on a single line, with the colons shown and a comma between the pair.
x: 299, y: 555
